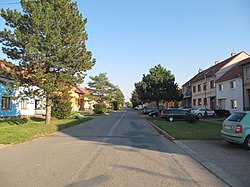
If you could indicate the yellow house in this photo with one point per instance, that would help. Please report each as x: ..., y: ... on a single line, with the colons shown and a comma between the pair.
x: 79, y: 100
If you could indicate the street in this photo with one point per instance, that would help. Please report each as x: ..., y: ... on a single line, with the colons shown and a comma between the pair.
x: 120, y: 149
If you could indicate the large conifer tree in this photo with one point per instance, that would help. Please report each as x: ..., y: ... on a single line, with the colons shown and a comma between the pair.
x: 48, y: 41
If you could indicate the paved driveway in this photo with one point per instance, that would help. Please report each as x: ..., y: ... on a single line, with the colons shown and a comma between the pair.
x: 228, y: 161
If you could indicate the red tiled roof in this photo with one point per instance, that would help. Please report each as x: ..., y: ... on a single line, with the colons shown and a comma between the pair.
x: 81, y: 90
x: 234, y: 72
x: 211, y: 70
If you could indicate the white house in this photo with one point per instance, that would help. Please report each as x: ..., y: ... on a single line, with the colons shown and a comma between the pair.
x: 229, y: 88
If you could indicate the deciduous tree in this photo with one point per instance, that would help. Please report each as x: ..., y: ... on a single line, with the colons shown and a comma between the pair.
x: 158, y: 85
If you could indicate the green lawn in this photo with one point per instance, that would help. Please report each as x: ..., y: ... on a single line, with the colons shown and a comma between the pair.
x: 182, y: 130
x: 13, y: 133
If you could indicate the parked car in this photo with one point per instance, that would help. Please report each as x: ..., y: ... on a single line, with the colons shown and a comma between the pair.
x: 174, y: 114
x: 236, y: 128
x: 154, y: 113
x: 186, y: 108
x: 201, y: 112
x: 222, y: 113
x: 147, y: 110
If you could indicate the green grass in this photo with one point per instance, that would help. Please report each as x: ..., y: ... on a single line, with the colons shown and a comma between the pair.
x: 13, y: 133
x: 182, y: 130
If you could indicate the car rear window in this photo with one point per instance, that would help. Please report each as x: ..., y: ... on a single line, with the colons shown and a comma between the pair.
x: 236, y: 117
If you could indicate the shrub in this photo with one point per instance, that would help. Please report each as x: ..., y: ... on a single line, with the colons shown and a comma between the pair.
x: 100, y: 108
x: 61, y: 108
x: 190, y: 118
x: 17, y: 121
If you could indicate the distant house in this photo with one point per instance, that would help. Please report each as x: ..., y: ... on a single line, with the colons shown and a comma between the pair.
x: 200, y: 91
x: 79, y: 100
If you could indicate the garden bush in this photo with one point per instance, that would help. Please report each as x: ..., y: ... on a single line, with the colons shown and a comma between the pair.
x: 100, y: 108
x: 16, y: 121
x: 61, y: 108
x: 190, y: 118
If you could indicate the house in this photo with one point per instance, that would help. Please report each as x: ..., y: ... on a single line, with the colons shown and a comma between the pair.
x: 246, y: 83
x: 200, y: 91
x: 229, y: 94
x: 10, y: 104
x: 80, y: 101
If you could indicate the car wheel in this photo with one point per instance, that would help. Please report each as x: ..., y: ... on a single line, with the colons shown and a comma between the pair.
x: 199, y: 115
x: 154, y: 116
x: 247, y: 142
x: 171, y: 118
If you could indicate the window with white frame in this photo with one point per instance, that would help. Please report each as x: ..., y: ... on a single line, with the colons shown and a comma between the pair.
x: 24, y: 104
x: 220, y: 87
x: 233, y: 84
x: 194, y: 102
x: 6, y: 103
x: 199, y: 88
x: 212, y: 84
x: 222, y: 103
x: 234, y: 104
x: 199, y: 101
x: 194, y: 89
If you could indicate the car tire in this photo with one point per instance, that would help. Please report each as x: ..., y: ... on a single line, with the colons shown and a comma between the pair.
x: 247, y: 143
x: 230, y: 142
x: 171, y: 118
x: 199, y: 115
x: 154, y: 116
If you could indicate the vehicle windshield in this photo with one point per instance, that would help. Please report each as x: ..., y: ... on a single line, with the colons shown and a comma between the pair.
x: 236, y: 117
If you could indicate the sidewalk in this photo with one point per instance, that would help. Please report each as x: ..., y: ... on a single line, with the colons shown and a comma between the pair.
x: 229, y: 162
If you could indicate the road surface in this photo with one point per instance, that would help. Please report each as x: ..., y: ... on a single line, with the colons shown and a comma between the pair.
x: 120, y: 149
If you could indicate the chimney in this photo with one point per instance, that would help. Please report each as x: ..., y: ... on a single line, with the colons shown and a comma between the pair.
x: 233, y: 54
x: 200, y: 70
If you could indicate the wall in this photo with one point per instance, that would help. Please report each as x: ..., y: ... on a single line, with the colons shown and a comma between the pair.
x: 231, y: 94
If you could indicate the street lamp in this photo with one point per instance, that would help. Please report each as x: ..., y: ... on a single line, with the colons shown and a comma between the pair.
x: 205, y: 99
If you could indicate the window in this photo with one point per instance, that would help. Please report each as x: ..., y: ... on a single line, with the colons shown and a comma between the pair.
x: 220, y: 87
x: 199, y: 101
x: 194, y: 102
x: 212, y: 84
x: 234, y: 104
x: 199, y: 88
x: 248, y: 72
x: 194, y: 89
x: 222, y: 103
x: 24, y: 104
x: 205, y: 86
x: 233, y: 84
x: 6, y: 103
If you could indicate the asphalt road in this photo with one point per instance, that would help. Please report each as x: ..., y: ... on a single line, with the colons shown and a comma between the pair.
x: 120, y: 149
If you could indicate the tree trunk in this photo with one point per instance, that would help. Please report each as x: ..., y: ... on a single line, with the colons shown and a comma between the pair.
x: 48, y: 110
x: 157, y: 105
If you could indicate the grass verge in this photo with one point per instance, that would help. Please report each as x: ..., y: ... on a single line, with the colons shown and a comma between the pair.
x: 181, y: 130
x: 14, y: 133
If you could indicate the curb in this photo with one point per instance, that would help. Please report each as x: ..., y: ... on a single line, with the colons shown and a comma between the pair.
x: 162, y: 132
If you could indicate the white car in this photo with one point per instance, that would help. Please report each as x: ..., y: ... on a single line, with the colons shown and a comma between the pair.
x: 201, y: 112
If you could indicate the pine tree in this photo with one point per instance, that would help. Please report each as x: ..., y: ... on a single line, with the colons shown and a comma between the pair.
x: 47, y: 39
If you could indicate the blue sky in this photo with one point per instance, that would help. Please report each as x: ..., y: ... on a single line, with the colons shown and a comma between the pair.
x: 128, y: 37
